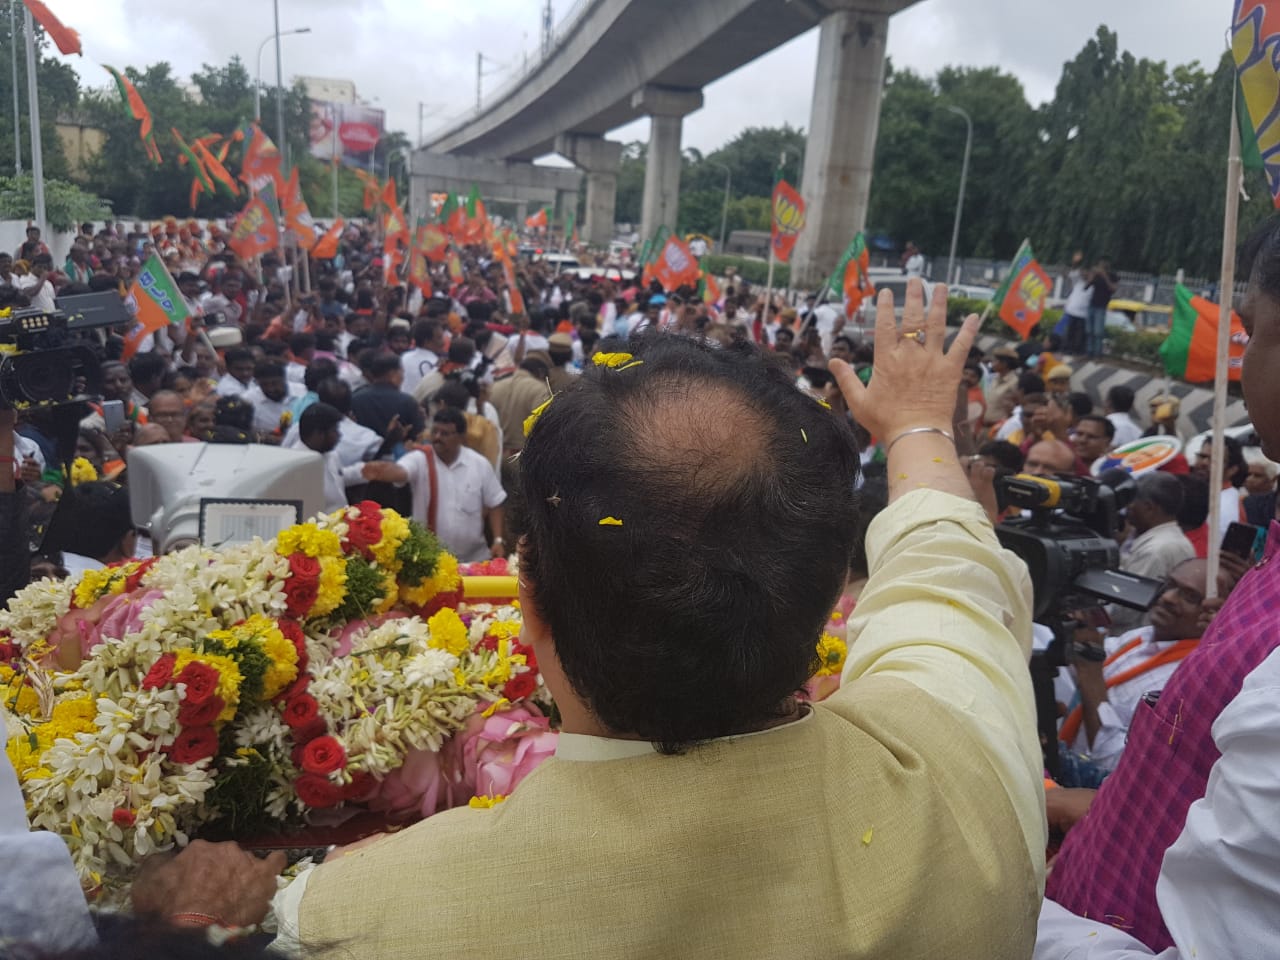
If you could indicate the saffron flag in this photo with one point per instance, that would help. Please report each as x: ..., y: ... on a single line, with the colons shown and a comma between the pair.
x: 455, y: 266
x: 261, y: 163
x: 788, y: 220
x: 1255, y: 47
x: 710, y: 290
x: 185, y: 157
x: 850, y: 279
x: 213, y: 166
x: 676, y: 265
x: 1190, y: 352
x: 136, y: 109
x: 538, y: 221
x: 388, y: 196
x: 156, y: 302
x: 419, y: 266
x: 255, y: 231
x: 509, y: 274
x: 395, y: 226
x: 297, y: 216
x: 64, y: 38
x: 326, y: 247
x: 1021, y: 298
x: 372, y: 189
x: 476, y: 227
x: 433, y: 242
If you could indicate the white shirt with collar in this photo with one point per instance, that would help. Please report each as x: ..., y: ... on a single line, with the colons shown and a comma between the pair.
x: 1127, y: 430
x: 467, y: 487
x: 417, y: 363
x: 1116, y: 712
x: 229, y: 386
x: 356, y: 442
x: 1219, y: 885
x: 267, y: 412
x: 1155, y: 552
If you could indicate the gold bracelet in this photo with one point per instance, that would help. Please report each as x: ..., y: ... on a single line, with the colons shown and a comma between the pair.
x: 914, y: 430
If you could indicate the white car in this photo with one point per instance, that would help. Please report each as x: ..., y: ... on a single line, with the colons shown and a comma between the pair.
x: 1245, y: 433
x: 560, y: 262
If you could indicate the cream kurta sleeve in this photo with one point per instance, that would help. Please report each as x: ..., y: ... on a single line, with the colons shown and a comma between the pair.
x: 947, y: 609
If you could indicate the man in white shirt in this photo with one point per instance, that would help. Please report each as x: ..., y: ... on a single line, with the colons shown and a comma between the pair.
x: 319, y: 429
x: 1157, y: 543
x: 1119, y: 405
x: 356, y: 442
x: 271, y: 395
x: 463, y: 484
x: 912, y: 261
x: 239, y: 376
x: 426, y: 355
x: 36, y: 284
x: 1139, y: 662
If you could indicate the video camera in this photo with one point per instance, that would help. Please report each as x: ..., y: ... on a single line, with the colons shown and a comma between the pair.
x: 1068, y: 544
x: 52, y: 359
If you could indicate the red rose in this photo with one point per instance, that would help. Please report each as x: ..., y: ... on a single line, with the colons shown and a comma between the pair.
x: 123, y: 818
x: 8, y: 651
x: 362, y: 786
x: 530, y: 658
x: 300, y: 596
x: 292, y: 632
x: 520, y: 686
x: 304, y: 567
x: 301, y: 710
x: 200, y: 714
x: 201, y: 680
x: 308, y: 732
x: 370, y: 508
x: 194, y: 744
x: 298, y: 686
x: 160, y: 674
x: 324, y: 755
x: 440, y: 601
x: 488, y: 642
x: 132, y: 581
x: 317, y: 791
x: 364, y: 532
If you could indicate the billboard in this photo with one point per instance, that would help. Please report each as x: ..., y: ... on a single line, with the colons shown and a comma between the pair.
x: 350, y: 131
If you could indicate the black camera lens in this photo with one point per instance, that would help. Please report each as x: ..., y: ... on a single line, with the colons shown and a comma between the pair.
x: 44, y: 377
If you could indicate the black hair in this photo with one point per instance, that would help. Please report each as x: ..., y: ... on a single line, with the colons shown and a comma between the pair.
x: 1120, y: 398
x: 1030, y: 383
x: 850, y: 342
x: 317, y: 418
x: 1080, y: 403
x: 147, y: 368
x: 1237, y: 466
x: 237, y: 355
x: 1195, y: 503
x: 381, y: 365
x: 91, y: 519
x: 714, y: 626
x: 462, y: 350
x: 872, y: 498
x: 453, y: 416
x: 453, y: 394
x: 424, y: 331
x: 1004, y: 453
x: 1108, y: 427
x: 318, y: 370
x: 267, y: 368
x: 300, y: 343
x: 233, y: 412
x: 336, y: 393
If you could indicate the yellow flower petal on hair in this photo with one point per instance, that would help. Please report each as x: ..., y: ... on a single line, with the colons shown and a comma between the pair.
x: 610, y: 522
x: 866, y: 837
x: 611, y: 359
x: 822, y: 403
x: 633, y: 363
x: 532, y: 418
x: 485, y: 803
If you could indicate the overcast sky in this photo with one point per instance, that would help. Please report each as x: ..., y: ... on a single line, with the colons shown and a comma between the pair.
x: 404, y: 52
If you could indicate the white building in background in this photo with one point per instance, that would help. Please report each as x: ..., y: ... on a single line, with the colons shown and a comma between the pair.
x: 329, y: 89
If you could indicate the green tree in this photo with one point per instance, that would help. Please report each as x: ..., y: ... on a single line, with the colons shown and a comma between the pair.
x: 59, y: 94
x: 66, y: 205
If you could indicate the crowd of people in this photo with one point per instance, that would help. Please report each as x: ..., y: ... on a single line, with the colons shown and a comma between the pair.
x: 743, y: 441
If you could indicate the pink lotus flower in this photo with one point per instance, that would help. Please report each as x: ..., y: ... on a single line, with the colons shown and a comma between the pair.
x: 495, y: 753
x: 415, y: 790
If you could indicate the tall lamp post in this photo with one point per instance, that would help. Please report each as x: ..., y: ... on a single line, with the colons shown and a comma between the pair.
x: 724, y: 210
x: 964, y: 176
x: 257, y: 89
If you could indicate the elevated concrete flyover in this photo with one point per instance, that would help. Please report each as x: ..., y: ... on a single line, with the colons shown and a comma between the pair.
x: 615, y: 61
x: 524, y: 184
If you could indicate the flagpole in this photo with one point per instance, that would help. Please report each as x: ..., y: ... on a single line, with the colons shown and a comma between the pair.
x: 768, y: 293
x: 37, y: 155
x: 1226, y: 287
x: 333, y: 116
x: 17, y: 114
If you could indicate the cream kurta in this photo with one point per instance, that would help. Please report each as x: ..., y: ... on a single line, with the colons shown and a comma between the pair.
x: 905, y: 818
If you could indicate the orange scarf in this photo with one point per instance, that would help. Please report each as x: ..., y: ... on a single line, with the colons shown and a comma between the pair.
x: 1071, y: 726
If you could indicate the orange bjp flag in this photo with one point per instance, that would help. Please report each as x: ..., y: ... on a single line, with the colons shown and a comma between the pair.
x: 64, y: 38
x: 326, y: 247
x: 261, y: 163
x: 788, y: 220
x: 255, y: 231
x: 389, y: 195
x: 676, y: 266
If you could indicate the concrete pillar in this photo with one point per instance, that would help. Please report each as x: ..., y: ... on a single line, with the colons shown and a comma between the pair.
x: 600, y: 159
x: 666, y: 107
x: 522, y: 214
x: 842, y: 139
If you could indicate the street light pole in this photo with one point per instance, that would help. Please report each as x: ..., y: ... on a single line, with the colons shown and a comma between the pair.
x: 964, y: 176
x: 257, y: 89
x: 724, y: 210
x: 280, y: 144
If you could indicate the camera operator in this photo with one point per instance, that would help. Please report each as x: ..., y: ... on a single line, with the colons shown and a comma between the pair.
x: 1156, y: 543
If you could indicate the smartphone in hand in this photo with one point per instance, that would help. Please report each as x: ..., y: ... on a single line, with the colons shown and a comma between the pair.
x: 1243, y: 539
x: 113, y: 415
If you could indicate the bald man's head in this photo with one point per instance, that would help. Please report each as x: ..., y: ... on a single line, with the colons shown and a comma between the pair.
x: 1049, y: 457
x: 1176, y: 613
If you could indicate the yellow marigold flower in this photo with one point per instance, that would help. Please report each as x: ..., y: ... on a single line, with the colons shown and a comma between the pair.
x: 95, y: 584
x: 82, y: 471
x: 610, y: 522
x: 390, y: 593
x: 532, y: 418
x: 611, y: 359
x: 395, y: 529
x: 831, y: 651
x: 499, y: 674
x: 16, y: 696
x: 448, y: 632
x: 486, y: 802
x: 281, y: 652
x: 333, y: 586
x: 309, y: 539
x: 504, y: 629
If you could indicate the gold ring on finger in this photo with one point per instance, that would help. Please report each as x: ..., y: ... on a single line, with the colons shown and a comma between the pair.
x: 916, y: 335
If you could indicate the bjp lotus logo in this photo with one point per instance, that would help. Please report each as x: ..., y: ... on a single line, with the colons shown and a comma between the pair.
x: 788, y: 219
